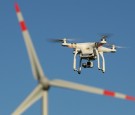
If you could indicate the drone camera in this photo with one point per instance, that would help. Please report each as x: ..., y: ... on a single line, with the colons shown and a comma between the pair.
x: 87, y: 65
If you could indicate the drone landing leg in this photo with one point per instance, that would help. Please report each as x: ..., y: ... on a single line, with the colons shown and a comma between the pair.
x: 103, y: 61
x: 74, y: 62
x: 98, y: 60
x: 80, y: 66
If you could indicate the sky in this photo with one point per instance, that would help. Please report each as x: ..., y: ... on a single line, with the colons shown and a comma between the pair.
x: 83, y: 20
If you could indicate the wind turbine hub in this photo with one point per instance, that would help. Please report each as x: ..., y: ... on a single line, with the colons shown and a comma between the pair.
x: 45, y: 83
x: 46, y: 87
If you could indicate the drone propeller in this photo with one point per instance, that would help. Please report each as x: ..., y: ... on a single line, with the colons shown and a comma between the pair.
x: 120, y: 47
x: 60, y: 40
x: 114, y: 46
x: 55, y: 40
x: 106, y: 35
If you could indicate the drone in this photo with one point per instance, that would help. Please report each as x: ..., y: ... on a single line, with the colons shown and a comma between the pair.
x: 89, y: 52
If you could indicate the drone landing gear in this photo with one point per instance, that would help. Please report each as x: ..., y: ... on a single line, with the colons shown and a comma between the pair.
x: 79, y: 71
x: 98, y: 60
x: 74, y: 62
x: 84, y: 65
x: 88, y: 64
x: 103, y: 62
x: 80, y: 68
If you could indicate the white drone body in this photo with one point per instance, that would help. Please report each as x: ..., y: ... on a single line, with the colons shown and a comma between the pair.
x: 89, y: 51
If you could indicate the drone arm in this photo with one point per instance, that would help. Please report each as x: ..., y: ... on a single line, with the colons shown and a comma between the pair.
x: 103, y: 61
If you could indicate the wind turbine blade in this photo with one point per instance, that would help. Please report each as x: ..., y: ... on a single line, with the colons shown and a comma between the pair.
x: 33, y: 97
x: 36, y: 67
x: 89, y: 89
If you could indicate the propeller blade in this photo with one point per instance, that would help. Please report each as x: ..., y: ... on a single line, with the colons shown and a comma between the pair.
x: 112, y: 45
x: 55, y: 40
x: 36, y: 67
x: 120, y: 47
x: 89, y: 89
x: 60, y: 40
x: 106, y: 35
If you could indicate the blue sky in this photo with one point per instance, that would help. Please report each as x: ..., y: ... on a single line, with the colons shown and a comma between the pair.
x: 80, y: 19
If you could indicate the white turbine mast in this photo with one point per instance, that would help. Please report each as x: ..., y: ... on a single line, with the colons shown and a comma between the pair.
x: 41, y: 90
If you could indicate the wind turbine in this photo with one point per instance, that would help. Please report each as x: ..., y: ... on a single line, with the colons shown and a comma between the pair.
x: 44, y: 84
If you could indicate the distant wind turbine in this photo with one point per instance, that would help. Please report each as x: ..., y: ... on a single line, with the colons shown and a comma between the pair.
x: 44, y: 84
